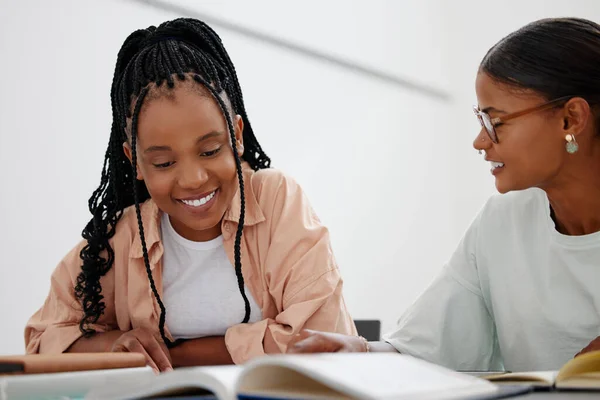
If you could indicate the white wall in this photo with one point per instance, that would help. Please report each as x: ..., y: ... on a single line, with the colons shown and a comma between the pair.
x: 389, y: 171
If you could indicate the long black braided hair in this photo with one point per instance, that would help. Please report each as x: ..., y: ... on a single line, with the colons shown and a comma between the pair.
x: 180, y: 49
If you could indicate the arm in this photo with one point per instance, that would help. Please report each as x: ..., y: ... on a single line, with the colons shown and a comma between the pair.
x: 202, y: 351
x: 55, y: 326
x: 98, y: 343
x: 450, y: 323
x: 381, y: 347
x: 139, y: 340
x: 309, y: 341
x: 302, y: 276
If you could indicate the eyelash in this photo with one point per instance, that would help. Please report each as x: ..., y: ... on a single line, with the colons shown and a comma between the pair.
x: 205, y: 154
x: 211, y: 153
x: 163, y: 165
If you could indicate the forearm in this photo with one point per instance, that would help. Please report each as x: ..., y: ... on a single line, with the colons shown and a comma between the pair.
x: 202, y: 351
x: 97, y: 343
x: 381, y: 347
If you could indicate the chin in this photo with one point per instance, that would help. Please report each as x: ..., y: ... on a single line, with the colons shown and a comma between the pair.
x: 205, y: 224
x: 503, y: 187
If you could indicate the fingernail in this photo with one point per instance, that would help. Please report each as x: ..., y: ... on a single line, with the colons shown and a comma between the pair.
x: 168, y: 369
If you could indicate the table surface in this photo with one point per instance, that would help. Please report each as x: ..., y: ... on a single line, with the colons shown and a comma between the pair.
x: 542, y: 395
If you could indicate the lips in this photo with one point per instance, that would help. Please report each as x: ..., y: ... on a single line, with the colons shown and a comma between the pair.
x: 496, y: 164
x: 200, y: 200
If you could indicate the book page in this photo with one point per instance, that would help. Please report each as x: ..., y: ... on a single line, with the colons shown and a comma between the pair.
x: 66, y: 384
x: 219, y: 380
x: 587, y: 363
x: 537, y: 378
x: 363, y: 375
x: 586, y: 380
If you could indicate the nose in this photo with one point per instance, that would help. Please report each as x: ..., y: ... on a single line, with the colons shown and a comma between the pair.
x: 482, y: 140
x: 192, y: 175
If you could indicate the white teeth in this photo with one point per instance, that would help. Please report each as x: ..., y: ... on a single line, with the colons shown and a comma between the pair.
x: 199, y: 202
x: 496, y: 165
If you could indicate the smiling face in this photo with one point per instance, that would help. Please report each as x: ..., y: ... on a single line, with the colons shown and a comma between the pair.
x: 185, y: 157
x: 531, y: 149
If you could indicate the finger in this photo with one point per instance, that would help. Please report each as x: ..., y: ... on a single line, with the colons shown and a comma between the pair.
x: 134, y: 346
x: 351, y: 344
x: 304, y: 333
x: 154, y: 349
x: 314, y: 344
x: 298, y: 337
x: 165, y: 350
x: 295, y: 339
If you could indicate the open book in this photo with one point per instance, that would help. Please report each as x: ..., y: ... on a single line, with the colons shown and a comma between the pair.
x: 582, y: 372
x: 322, y: 376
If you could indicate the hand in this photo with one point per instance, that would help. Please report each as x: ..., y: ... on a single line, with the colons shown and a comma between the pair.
x: 141, y: 340
x: 593, y: 346
x: 309, y: 341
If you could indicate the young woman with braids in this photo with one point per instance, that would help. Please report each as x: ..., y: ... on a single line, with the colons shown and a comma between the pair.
x: 522, y: 290
x: 197, y: 252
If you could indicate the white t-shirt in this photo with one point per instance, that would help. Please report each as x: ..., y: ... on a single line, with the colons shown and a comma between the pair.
x: 516, y: 294
x: 200, y: 288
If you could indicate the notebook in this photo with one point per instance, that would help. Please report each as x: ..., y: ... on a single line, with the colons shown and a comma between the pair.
x: 582, y: 372
x: 311, y: 376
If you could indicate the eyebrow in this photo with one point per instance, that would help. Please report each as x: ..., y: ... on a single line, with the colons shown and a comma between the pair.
x: 208, y: 135
x: 488, y: 109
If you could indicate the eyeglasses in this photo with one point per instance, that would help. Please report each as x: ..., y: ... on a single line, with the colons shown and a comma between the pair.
x: 490, y: 123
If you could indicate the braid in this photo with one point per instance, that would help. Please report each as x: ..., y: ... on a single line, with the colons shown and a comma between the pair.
x: 136, y: 114
x: 182, y: 48
x: 238, y: 163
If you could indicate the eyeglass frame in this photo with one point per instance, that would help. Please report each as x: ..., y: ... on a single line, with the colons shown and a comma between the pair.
x: 494, y: 122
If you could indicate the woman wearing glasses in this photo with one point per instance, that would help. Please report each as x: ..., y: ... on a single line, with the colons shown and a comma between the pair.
x: 522, y: 290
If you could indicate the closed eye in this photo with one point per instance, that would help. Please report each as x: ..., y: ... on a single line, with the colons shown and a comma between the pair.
x: 210, y: 153
x: 164, y: 165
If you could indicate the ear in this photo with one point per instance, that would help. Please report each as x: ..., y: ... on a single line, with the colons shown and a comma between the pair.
x: 577, y: 119
x: 127, y: 151
x: 238, y: 125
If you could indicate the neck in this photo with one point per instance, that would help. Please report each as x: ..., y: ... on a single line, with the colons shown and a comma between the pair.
x: 205, y: 235
x: 576, y: 199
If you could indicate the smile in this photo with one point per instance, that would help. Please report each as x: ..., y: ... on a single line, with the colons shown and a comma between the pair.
x: 199, y: 201
x: 496, y: 166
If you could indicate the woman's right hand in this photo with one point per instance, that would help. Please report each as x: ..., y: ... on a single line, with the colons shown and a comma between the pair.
x: 141, y: 340
x: 309, y: 341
